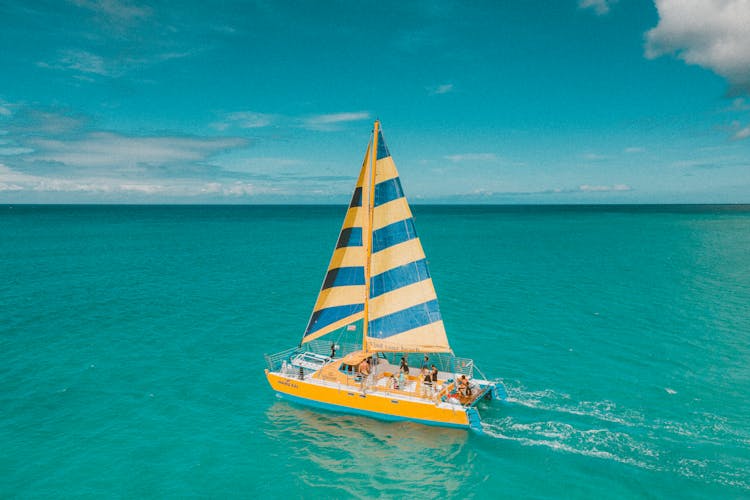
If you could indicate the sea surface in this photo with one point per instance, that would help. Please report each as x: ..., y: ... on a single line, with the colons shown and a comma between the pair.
x: 132, y: 342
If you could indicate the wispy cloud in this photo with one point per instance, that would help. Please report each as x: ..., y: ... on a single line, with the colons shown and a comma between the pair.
x: 471, y: 157
x: 80, y: 61
x: 441, y: 89
x: 742, y: 133
x: 89, y: 64
x: 599, y: 188
x: 114, y: 188
x: 47, y: 121
x: 739, y: 104
x: 600, y: 7
x: 712, y: 34
x: 327, y: 122
x: 634, y: 150
x: 108, y: 150
x: 245, y: 119
x: 594, y: 157
x: 114, y: 13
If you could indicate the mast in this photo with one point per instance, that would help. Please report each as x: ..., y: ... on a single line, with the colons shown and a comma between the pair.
x: 368, y: 238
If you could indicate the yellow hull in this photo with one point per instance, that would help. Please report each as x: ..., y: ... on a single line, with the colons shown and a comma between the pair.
x: 383, y: 406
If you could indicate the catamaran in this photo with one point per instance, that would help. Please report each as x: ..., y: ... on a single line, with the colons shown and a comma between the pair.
x: 375, y: 343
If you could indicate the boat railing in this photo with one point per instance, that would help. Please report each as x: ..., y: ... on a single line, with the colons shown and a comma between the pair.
x: 274, y: 361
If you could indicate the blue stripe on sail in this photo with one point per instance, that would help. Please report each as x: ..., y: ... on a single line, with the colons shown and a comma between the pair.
x: 393, y: 234
x: 382, y: 148
x: 356, y: 198
x: 325, y: 317
x: 344, y: 276
x: 398, y: 277
x: 405, y: 320
x: 350, y: 237
x: 388, y: 191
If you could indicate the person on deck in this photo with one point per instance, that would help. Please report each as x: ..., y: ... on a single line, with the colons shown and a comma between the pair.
x: 404, y: 367
x: 434, y: 374
x: 333, y: 351
x: 426, y: 382
x: 364, y: 373
x: 426, y: 362
x: 463, y: 386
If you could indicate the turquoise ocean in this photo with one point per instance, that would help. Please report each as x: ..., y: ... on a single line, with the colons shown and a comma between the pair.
x: 132, y: 342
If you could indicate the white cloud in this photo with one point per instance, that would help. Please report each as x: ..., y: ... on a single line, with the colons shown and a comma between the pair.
x: 114, y: 12
x: 10, y: 187
x: 594, y: 188
x: 245, y: 119
x: 81, y: 61
x: 634, y: 149
x: 111, y: 187
x: 594, y: 157
x: 12, y: 151
x: 742, y: 133
x: 472, y: 157
x: 713, y: 34
x: 330, y: 121
x: 106, y: 149
x: 601, y: 7
x: 441, y: 89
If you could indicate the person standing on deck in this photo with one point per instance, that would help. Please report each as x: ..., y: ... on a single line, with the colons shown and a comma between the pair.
x: 364, y: 373
x: 425, y: 363
x: 404, y: 366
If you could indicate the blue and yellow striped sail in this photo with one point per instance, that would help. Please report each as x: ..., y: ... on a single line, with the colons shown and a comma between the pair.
x: 378, y: 249
x: 341, y: 300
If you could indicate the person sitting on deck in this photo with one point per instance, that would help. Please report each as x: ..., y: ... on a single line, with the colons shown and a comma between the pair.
x: 403, y: 378
x: 393, y: 383
x: 463, y: 386
x: 434, y: 374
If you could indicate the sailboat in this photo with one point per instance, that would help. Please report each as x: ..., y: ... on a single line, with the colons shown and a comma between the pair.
x: 375, y: 343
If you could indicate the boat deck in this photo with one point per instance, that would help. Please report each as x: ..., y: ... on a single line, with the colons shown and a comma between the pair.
x: 382, y: 382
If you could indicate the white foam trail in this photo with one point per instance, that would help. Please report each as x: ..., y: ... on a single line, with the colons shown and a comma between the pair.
x: 556, y: 441
x: 636, y: 441
x: 549, y: 400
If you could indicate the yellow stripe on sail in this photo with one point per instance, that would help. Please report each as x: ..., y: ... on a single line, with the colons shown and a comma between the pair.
x: 397, y: 255
x: 354, y: 218
x: 385, y: 169
x: 347, y: 257
x: 340, y: 296
x: 402, y: 298
x: 334, y: 326
x: 393, y: 211
x: 427, y: 338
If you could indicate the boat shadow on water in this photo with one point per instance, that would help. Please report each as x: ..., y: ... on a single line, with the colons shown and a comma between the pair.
x: 367, y: 455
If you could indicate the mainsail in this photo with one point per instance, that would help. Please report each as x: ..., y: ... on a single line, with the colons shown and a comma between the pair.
x: 379, y: 269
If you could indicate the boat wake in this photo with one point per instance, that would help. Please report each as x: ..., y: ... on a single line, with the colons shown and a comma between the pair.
x: 608, y: 431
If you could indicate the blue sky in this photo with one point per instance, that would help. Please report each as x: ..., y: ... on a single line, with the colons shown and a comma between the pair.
x: 571, y: 101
